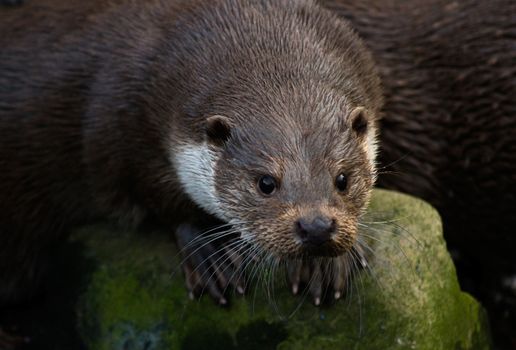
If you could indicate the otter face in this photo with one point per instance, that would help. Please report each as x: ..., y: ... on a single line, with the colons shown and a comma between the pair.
x: 293, y: 187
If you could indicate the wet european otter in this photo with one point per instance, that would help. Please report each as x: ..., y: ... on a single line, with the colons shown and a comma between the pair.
x: 197, y: 113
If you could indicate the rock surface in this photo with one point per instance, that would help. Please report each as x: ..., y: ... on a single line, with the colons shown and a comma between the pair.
x: 408, y: 298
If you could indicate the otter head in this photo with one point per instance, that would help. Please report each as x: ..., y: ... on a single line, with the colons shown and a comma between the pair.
x: 284, y: 128
x: 294, y: 182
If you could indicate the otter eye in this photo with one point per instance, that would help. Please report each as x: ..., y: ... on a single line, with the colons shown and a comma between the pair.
x: 267, y: 184
x: 341, y: 182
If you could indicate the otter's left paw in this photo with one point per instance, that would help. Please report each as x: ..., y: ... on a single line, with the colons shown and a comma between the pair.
x: 324, y: 278
x: 209, y: 263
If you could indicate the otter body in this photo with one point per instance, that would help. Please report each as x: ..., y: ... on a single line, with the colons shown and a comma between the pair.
x: 192, y: 112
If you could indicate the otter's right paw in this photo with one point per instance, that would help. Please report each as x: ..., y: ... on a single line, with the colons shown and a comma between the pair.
x: 211, y: 262
x: 325, y: 278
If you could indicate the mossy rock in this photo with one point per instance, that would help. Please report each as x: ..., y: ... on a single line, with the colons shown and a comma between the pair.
x: 408, y: 299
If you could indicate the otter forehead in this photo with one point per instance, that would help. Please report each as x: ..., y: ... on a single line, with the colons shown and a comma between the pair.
x: 296, y: 152
x: 309, y: 136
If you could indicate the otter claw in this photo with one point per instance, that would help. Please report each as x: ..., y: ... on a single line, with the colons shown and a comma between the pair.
x: 320, y: 277
x: 208, y: 266
x: 295, y: 288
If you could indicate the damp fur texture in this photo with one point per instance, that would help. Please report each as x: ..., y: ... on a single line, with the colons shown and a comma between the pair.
x: 103, y: 108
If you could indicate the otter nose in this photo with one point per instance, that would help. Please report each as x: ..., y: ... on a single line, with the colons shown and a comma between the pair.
x: 317, y: 231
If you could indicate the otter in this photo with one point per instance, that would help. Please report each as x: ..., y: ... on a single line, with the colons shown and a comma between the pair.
x: 254, y: 118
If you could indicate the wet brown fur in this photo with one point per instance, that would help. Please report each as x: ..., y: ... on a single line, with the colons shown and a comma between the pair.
x: 95, y: 95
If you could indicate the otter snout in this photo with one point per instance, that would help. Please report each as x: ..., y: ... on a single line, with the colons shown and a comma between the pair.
x: 315, y: 231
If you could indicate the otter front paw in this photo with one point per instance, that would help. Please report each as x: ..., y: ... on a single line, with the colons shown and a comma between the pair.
x: 211, y: 262
x: 324, y: 278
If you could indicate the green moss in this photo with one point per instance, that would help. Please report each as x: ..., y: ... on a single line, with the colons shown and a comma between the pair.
x: 410, y: 300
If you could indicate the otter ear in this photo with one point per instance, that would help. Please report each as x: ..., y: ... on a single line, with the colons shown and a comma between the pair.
x: 218, y: 129
x: 359, y: 121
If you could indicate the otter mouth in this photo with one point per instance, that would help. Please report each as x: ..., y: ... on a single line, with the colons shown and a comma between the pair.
x: 321, y: 250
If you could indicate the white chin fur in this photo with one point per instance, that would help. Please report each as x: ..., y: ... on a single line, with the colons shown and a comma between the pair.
x: 195, y: 166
